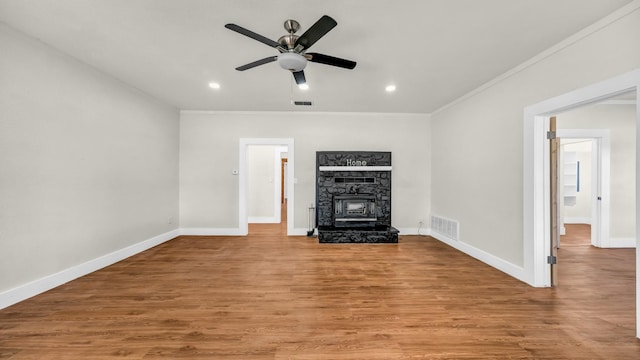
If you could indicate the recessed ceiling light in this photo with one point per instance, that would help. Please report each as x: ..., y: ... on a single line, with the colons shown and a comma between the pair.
x: 390, y: 88
x: 214, y: 85
x: 304, y: 86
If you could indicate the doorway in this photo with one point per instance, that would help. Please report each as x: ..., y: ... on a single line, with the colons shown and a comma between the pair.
x: 265, y: 183
x: 585, y: 186
x: 536, y: 194
x: 254, y: 153
x: 576, y: 191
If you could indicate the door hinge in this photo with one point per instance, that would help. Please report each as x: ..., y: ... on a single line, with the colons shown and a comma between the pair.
x: 551, y: 135
x: 552, y: 260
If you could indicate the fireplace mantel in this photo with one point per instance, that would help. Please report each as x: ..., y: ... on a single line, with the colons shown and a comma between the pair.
x: 354, y: 168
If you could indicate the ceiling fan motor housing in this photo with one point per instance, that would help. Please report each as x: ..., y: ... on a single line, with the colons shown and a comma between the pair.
x: 292, y: 61
x: 288, y: 41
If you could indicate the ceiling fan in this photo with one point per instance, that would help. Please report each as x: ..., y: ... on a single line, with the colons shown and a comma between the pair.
x: 293, y: 48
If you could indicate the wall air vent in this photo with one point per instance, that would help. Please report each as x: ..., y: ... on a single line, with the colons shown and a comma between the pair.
x: 302, y: 103
x: 446, y: 227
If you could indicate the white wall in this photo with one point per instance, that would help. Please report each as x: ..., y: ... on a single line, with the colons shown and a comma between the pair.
x: 620, y: 119
x: 88, y: 165
x: 260, y: 183
x: 209, y: 152
x: 477, y: 146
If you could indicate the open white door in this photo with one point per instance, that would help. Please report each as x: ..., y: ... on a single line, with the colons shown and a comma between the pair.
x: 554, y: 156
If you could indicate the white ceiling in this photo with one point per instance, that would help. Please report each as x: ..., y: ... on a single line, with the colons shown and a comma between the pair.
x: 434, y: 51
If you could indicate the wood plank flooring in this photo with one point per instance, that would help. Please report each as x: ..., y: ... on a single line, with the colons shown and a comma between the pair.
x: 269, y: 296
x: 576, y: 234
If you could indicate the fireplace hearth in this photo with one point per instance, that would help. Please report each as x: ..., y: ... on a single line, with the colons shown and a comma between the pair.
x: 353, y: 197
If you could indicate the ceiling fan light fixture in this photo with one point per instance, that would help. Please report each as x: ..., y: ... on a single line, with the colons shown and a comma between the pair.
x: 304, y: 86
x: 292, y: 61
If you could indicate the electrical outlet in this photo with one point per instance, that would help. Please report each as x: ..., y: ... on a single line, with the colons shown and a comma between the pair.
x: 170, y: 220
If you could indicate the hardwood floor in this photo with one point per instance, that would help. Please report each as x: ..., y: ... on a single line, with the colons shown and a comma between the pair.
x: 269, y: 296
x: 576, y: 235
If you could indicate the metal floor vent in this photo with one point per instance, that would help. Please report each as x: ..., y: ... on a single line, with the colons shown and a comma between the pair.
x: 302, y: 103
x: 447, y: 227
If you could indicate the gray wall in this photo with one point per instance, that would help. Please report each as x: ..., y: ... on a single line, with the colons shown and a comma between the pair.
x: 209, y: 151
x: 477, y: 148
x: 88, y: 165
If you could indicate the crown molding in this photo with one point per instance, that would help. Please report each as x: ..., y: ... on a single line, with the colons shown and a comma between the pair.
x: 591, y: 29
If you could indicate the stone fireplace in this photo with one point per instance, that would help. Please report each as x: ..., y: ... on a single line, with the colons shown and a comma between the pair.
x: 353, y: 197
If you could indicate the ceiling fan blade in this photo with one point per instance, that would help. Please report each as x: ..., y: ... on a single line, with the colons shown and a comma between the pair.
x: 299, y: 76
x: 330, y: 60
x: 251, y: 34
x: 257, y: 63
x: 316, y: 31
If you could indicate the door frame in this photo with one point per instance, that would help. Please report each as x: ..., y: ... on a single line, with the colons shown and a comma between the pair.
x: 283, y: 183
x: 243, y: 217
x: 600, y: 181
x: 536, y: 230
x: 278, y: 183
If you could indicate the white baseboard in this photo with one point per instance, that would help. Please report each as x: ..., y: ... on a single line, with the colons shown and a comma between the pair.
x: 620, y: 243
x: 263, y: 220
x: 489, y: 259
x: 577, y: 220
x: 301, y: 232
x: 413, y: 231
x: 212, y: 231
x: 49, y: 282
x: 228, y: 232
